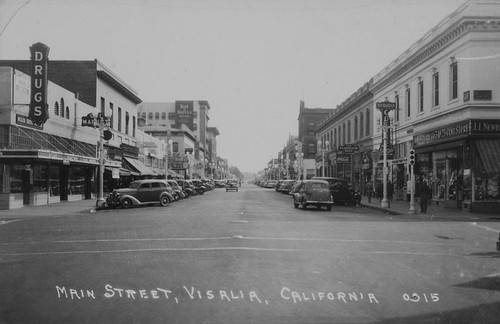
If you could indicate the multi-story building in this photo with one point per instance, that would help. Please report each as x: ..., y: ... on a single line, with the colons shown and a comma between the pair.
x: 447, y: 96
x: 309, y: 118
x: 344, y: 139
x: 195, y: 116
x: 57, y: 158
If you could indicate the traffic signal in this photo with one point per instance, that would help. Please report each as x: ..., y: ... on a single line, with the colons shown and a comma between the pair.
x: 411, y: 158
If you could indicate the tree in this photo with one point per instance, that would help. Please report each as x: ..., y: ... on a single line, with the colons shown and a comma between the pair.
x: 235, y: 171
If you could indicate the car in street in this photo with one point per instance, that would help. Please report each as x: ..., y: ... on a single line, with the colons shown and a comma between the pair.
x: 312, y: 192
x: 284, y: 186
x: 141, y: 192
x: 231, y: 185
x: 341, y: 192
x: 178, y: 192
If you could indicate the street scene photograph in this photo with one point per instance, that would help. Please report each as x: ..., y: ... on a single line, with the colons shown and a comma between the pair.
x: 250, y: 161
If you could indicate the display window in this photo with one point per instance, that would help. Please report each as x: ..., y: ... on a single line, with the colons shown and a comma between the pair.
x: 40, y: 178
x: 76, y: 180
x: 16, y: 178
x: 486, y: 188
x: 54, y: 189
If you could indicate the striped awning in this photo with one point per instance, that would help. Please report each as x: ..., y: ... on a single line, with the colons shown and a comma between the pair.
x: 489, y: 151
x: 140, y: 167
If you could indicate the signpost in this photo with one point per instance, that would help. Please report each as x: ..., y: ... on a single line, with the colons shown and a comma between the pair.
x: 385, y: 108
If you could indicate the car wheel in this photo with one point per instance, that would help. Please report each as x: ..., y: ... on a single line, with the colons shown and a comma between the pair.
x: 126, y: 203
x: 164, y: 201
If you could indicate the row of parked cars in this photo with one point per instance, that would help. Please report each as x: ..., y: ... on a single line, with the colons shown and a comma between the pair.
x: 158, y: 191
x: 317, y: 191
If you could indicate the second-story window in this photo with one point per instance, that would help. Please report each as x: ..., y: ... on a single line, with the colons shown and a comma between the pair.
x: 396, y: 99
x: 119, y: 119
x: 435, y: 89
x: 421, y: 96
x: 335, y: 139
x: 127, y: 119
x: 349, y: 131
x: 361, y: 125
x: 408, y: 102
x: 368, y: 128
x: 356, y: 128
x: 111, y: 108
x: 175, y: 147
x: 157, y: 115
x: 133, y: 126
x: 454, y: 81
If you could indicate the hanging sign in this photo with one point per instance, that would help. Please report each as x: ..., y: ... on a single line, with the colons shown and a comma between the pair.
x: 38, y: 106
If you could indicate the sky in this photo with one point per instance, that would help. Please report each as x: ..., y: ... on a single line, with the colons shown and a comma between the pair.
x: 252, y: 60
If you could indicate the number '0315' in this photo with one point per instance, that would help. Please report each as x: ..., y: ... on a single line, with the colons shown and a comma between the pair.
x: 421, y: 298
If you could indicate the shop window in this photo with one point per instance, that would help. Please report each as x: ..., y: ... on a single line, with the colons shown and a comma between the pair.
x: 76, y: 181
x: 54, y: 181
x: 40, y: 178
x: 16, y: 178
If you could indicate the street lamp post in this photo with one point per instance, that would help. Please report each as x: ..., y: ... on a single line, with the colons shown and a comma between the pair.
x: 323, y: 149
x: 385, y: 107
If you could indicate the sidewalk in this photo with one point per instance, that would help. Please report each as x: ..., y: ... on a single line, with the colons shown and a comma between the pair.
x: 434, y: 212
x: 57, y: 209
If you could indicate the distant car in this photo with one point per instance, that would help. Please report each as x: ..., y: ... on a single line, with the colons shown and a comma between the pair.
x: 312, y: 192
x: 232, y: 185
x: 340, y: 191
x: 141, y: 192
x: 285, y: 186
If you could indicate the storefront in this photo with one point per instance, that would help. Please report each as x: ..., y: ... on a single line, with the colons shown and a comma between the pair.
x: 460, y: 164
x: 39, y: 177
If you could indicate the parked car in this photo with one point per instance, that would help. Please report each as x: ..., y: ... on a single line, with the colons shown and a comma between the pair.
x: 341, y: 192
x: 199, y: 188
x: 271, y: 183
x: 187, y: 187
x: 141, y: 192
x: 312, y: 192
x: 231, y: 185
x: 178, y: 192
x: 285, y: 186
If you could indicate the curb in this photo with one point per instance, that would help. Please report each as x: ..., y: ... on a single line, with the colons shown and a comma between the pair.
x: 382, y: 209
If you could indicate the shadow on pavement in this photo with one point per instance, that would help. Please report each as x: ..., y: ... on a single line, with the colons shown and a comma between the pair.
x: 485, y: 313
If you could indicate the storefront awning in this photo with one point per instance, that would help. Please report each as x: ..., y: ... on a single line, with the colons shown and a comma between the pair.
x: 489, y: 151
x: 174, y: 174
x: 138, y: 166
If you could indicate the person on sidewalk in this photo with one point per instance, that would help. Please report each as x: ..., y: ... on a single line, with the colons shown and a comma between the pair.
x: 425, y: 192
x: 369, y: 191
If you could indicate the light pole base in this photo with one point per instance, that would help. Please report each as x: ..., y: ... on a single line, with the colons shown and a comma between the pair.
x: 100, y: 203
x: 385, y: 203
x: 412, y: 209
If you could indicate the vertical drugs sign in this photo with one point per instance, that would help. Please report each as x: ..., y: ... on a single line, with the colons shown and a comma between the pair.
x: 38, y: 106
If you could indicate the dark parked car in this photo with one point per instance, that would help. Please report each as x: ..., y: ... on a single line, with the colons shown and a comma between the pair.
x: 285, y: 186
x: 232, y: 185
x: 178, y: 192
x: 141, y: 192
x: 312, y: 192
x: 341, y: 192
x: 187, y: 187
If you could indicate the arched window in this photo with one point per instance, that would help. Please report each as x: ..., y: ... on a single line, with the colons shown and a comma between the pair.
x: 56, y: 109
x: 67, y: 112
x: 61, y: 111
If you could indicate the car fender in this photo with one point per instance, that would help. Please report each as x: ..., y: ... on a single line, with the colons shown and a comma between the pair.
x: 168, y: 195
x: 134, y: 200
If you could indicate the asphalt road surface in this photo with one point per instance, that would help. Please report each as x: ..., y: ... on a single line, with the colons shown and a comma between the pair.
x: 247, y: 257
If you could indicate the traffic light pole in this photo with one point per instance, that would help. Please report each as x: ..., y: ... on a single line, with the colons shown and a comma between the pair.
x: 412, y: 182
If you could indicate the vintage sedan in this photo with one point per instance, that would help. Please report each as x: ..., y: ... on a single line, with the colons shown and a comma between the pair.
x: 312, y: 192
x: 231, y: 185
x: 341, y: 192
x: 141, y: 192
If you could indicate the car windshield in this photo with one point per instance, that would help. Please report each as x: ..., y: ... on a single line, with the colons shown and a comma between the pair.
x: 134, y: 185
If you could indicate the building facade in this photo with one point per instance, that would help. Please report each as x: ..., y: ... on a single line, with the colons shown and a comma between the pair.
x: 446, y: 89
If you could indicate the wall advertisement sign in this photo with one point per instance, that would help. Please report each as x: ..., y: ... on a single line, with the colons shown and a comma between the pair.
x: 38, y: 112
x: 184, y: 114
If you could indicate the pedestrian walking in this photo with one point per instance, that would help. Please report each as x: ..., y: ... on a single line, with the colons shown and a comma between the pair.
x: 425, y: 192
x: 369, y: 191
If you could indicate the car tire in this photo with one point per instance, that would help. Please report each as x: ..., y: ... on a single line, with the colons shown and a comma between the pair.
x: 164, y: 201
x: 126, y: 203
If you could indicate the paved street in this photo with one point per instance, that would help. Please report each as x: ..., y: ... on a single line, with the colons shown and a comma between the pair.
x: 247, y: 257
